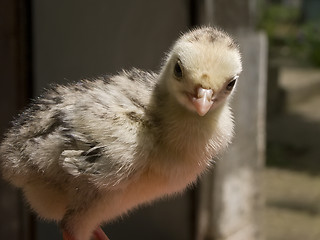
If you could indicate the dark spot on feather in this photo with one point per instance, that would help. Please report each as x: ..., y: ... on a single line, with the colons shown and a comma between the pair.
x: 130, y: 77
x: 32, y: 141
x: 115, y: 117
x: 57, y: 122
x: 92, y: 151
x: 69, y: 138
x: 212, y: 38
x: 137, y: 118
x: 136, y: 74
x: 45, y: 103
x: 23, y: 118
x: 92, y: 145
x: 92, y: 154
x: 233, y: 45
x: 80, y: 87
x: 81, y: 170
x: 134, y: 117
x: 57, y: 100
x: 133, y: 75
x: 92, y: 158
x: 136, y: 102
x: 107, y: 78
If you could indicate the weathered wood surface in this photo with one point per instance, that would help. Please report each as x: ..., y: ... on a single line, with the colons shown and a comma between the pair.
x: 13, y: 96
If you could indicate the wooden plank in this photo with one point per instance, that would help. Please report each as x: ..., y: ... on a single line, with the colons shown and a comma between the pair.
x: 14, y: 92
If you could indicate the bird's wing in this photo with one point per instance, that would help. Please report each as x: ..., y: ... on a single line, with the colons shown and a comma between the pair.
x: 80, y: 162
x: 95, y: 162
x: 105, y: 124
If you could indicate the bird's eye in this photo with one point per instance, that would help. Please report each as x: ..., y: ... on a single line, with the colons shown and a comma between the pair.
x: 177, y: 70
x: 232, y: 83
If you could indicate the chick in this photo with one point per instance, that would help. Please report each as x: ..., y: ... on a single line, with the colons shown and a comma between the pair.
x: 86, y: 153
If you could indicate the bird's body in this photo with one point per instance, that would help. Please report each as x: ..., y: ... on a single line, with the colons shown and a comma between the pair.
x: 88, y: 152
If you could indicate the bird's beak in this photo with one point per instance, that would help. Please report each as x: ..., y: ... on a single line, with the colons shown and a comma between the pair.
x: 202, y: 101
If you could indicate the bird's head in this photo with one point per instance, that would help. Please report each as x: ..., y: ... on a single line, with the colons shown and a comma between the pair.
x: 202, y: 69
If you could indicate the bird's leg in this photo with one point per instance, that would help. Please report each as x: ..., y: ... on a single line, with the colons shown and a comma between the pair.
x: 67, y: 236
x: 99, y: 234
x: 80, y: 222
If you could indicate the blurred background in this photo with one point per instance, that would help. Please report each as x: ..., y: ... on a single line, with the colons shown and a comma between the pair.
x: 292, y: 174
x: 267, y: 186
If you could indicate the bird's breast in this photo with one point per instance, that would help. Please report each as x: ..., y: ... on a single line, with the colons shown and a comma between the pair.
x: 163, y: 174
x: 154, y: 182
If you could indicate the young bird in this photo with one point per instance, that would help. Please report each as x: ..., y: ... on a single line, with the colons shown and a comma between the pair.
x: 88, y: 152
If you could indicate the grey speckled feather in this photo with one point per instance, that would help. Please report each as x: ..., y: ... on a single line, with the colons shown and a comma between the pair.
x: 88, y: 152
x: 67, y: 119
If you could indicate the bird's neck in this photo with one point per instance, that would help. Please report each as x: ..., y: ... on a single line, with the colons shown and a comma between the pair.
x: 177, y: 127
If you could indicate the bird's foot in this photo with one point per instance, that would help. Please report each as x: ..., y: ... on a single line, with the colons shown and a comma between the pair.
x: 98, y: 234
x: 67, y: 236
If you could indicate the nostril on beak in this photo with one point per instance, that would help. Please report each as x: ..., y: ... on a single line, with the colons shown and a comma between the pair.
x: 203, y: 92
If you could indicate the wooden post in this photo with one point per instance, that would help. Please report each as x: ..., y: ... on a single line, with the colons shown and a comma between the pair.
x: 14, y: 92
x: 231, y: 197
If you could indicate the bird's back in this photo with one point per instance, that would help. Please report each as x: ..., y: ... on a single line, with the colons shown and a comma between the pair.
x: 99, y: 117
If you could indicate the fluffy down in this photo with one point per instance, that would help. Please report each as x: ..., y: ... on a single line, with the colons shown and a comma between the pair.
x: 87, y: 152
